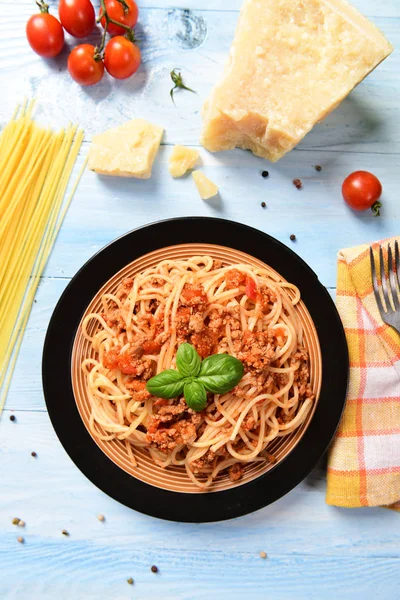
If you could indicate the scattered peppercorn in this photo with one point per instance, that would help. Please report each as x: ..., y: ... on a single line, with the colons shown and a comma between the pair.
x: 263, y: 554
x: 34, y: 454
x: 15, y: 521
x: 21, y: 524
x: 293, y: 237
x: 12, y: 418
x: 265, y: 174
x: 263, y: 204
x: 297, y: 183
x: 154, y: 569
x: 20, y: 539
x: 130, y: 581
x: 318, y: 168
x: 101, y: 518
x: 65, y: 532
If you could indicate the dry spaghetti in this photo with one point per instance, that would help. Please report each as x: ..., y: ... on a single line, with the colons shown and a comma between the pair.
x: 35, y: 168
x: 240, y: 310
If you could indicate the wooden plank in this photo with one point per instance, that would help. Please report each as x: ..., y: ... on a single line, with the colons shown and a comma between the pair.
x: 49, y: 569
x: 105, y: 207
x: 26, y: 387
x: 385, y: 8
x: 367, y: 121
x: 314, y: 551
x: 50, y: 494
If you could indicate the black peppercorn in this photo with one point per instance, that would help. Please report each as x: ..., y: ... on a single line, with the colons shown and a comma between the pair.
x: 297, y: 183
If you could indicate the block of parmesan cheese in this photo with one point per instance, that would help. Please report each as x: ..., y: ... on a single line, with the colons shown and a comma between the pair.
x: 206, y: 188
x: 126, y: 151
x: 291, y: 63
x: 182, y: 159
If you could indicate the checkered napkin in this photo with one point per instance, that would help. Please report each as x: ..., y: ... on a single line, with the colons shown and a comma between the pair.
x: 364, y: 460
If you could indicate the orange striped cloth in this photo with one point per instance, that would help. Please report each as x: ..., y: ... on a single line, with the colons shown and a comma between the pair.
x: 364, y: 460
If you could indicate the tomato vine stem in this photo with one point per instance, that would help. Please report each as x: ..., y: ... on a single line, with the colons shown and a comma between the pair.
x: 99, y: 51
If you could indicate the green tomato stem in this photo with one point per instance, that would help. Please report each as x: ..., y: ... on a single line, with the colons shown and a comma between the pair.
x: 44, y: 8
x: 376, y: 208
x: 178, y: 81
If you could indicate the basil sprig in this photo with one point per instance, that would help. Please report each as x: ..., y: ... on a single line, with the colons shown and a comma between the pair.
x: 218, y: 374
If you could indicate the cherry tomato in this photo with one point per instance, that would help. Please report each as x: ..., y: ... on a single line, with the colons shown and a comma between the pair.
x: 45, y: 34
x: 83, y: 67
x: 361, y: 190
x: 116, y: 11
x: 121, y: 57
x: 77, y: 17
x: 251, y: 288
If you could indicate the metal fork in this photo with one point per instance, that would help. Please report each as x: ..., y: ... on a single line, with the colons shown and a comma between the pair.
x: 390, y: 311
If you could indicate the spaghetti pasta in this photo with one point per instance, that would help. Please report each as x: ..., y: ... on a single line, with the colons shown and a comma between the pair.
x: 240, y: 310
x: 35, y: 168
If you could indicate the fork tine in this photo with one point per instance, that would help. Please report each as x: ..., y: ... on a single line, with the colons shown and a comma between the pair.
x: 392, y: 280
x: 397, y: 261
x: 375, y: 282
x: 384, y: 282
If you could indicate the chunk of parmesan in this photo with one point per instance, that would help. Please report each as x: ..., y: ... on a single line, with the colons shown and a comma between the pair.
x: 291, y: 64
x: 182, y: 159
x: 206, y: 188
x: 126, y: 151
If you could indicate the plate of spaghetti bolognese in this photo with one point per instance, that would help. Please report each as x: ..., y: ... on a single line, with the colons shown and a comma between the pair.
x: 195, y: 369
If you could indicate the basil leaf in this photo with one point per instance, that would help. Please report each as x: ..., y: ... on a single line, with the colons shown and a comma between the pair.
x: 188, y: 361
x: 220, y: 373
x: 167, y: 384
x: 195, y: 395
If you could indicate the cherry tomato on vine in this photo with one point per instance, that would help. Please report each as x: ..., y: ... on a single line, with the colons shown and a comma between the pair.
x: 117, y: 12
x: 44, y: 33
x: 121, y: 57
x: 77, y: 17
x: 83, y: 67
x: 361, y: 190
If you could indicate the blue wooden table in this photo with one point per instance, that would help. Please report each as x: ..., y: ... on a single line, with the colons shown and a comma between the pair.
x: 314, y: 551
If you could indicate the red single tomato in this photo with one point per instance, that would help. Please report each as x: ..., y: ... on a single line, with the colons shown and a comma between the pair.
x: 83, y: 67
x: 77, y: 17
x: 251, y: 288
x: 45, y: 34
x: 117, y: 12
x: 121, y: 57
x: 361, y: 190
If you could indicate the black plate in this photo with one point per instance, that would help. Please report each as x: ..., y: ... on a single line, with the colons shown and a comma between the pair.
x: 210, y: 506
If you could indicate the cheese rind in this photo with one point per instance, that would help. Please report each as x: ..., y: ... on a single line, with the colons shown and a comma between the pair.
x: 206, y: 188
x: 291, y: 64
x: 182, y: 159
x: 126, y: 151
